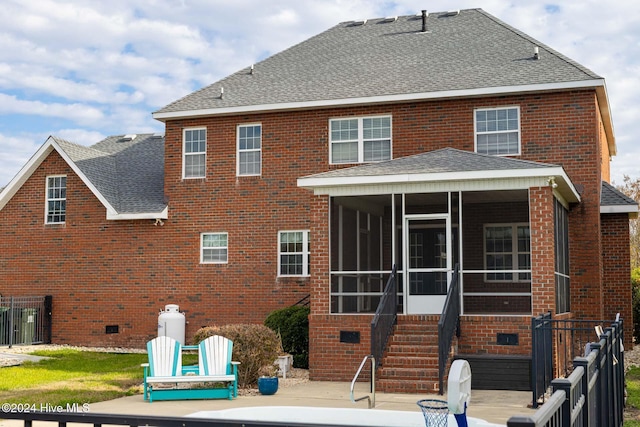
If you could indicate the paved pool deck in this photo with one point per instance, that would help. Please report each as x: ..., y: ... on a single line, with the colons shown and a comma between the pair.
x: 493, y: 406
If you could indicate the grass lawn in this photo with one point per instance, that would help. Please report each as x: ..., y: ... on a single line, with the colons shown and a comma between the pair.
x: 73, y: 376
x: 632, y: 411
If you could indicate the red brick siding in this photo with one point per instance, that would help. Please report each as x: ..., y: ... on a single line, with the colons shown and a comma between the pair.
x: 330, y: 359
x: 122, y: 272
x: 542, y: 250
x: 617, y: 266
x: 479, y: 335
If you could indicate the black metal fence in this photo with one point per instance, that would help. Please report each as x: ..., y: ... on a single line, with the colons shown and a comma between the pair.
x: 448, y: 326
x: 592, y: 395
x: 555, y: 343
x: 385, y: 318
x: 97, y: 420
x: 25, y: 320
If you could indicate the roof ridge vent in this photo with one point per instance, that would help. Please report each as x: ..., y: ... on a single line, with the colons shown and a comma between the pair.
x: 158, y: 135
x: 129, y: 137
x: 358, y: 23
x: 389, y: 19
x: 450, y: 13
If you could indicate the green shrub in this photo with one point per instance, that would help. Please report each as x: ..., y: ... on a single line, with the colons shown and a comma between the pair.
x: 292, y: 324
x: 635, y: 300
x: 254, y: 346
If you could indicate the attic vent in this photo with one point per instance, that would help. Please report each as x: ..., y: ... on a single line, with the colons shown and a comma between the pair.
x: 129, y: 137
x: 389, y: 19
x: 358, y: 23
x: 158, y: 135
x: 448, y: 14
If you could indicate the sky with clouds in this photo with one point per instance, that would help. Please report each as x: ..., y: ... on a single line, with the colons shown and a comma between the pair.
x: 86, y: 69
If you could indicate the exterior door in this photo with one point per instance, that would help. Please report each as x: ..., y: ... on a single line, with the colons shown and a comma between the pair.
x: 428, y: 260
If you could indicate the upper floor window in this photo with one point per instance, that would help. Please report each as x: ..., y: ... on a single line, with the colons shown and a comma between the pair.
x: 293, y: 253
x: 507, y: 247
x: 56, y: 199
x: 497, y: 131
x: 194, y: 155
x: 214, y: 248
x: 358, y: 140
x: 249, y: 149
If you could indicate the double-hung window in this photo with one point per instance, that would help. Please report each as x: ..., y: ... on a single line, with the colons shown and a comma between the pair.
x: 214, y: 248
x: 360, y: 139
x: 293, y: 253
x: 56, y: 209
x: 507, y: 247
x: 249, y: 149
x: 497, y: 131
x: 194, y: 156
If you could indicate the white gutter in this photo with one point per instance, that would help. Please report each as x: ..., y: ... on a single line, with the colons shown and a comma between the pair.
x: 323, y: 103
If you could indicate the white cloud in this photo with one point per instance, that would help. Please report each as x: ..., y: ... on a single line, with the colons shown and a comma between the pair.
x: 103, y: 67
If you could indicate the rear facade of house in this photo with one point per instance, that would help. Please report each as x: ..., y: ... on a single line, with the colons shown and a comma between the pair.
x: 433, y: 145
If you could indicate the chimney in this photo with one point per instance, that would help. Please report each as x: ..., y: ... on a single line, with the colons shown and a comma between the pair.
x: 424, y: 21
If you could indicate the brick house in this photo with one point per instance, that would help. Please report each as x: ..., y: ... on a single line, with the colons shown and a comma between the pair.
x: 420, y: 142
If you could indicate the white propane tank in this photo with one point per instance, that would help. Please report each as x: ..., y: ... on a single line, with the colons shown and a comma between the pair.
x: 171, y: 323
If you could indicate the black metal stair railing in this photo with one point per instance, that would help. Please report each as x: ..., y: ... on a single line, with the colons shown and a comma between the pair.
x: 385, y: 318
x: 448, y: 326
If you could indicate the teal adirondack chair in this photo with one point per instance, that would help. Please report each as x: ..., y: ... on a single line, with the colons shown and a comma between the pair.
x: 214, y: 367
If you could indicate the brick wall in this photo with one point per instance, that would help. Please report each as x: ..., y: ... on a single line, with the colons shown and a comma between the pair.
x: 122, y: 272
x: 542, y: 250
x: 616, y: 276
x: 480, y: 335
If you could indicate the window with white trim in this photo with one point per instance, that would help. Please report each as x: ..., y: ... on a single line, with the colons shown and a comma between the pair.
x: 214, y: 248
x: 249, y: 149
x: 56, y: 209
x: 293, y: 253
x: 497, y: 131
x: 360, y: 139
x: 194, y: 157
x: 507, y: 247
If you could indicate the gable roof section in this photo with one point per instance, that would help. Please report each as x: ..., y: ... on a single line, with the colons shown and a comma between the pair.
x: 446, y: 169
x: 471, y: 53
x: 614, y: 201
x: 127, y: 176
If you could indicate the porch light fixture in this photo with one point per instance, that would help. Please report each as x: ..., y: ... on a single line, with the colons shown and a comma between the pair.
x: 552, y: 182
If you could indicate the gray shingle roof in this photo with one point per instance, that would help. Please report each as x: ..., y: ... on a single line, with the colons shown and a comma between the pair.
x: 128, y: 173
x: 445, y: 160
x: 467, y: 51
x: 610, y: 196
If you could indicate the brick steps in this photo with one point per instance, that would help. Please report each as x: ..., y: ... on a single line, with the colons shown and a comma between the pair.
x: 410, y: 364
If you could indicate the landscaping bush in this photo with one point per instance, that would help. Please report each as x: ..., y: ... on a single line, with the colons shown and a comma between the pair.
x: 254, y: 346
x: 292, y: 324
x: 635, y: 298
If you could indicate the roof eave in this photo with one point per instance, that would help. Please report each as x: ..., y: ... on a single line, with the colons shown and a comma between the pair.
x: 115, y: 216
x: 326, y: 103
x: 36, y: 160
x: 605, y: 111
x: 554, y: 176
x: 631, y: 210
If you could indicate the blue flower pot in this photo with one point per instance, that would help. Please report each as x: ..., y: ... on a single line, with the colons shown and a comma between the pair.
x: 267, y: 385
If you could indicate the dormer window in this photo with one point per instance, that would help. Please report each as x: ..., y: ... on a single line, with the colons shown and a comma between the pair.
x: 56, y: 208
x: 497, y: 131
